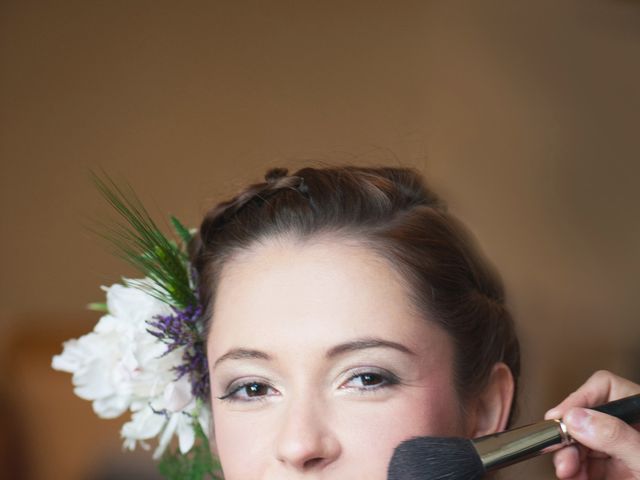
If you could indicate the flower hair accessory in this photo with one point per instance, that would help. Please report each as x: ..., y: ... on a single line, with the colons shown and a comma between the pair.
x: 146, y: 354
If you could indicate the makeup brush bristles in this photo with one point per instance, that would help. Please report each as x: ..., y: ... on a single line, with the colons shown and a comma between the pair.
x: 433, y: 458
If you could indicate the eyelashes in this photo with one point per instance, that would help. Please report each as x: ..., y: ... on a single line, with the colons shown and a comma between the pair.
x: 367, y: 380
x: 249, y: 391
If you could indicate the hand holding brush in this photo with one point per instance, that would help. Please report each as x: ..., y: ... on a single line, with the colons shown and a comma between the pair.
x: 607, y: 447
x: 609, y: 450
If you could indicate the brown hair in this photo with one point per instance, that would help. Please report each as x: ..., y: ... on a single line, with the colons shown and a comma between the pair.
x: 393, y: 212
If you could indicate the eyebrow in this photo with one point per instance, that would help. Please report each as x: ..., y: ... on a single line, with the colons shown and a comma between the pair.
x: 241, y: 354
x: 365, y: 343
x: 340, y: 349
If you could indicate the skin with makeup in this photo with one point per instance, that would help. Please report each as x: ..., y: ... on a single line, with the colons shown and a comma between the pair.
x: 325, y: 378
x: 322, y: 355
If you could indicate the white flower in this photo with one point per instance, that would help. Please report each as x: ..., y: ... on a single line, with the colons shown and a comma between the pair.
x: 178, y: 410
x: 120, y: 366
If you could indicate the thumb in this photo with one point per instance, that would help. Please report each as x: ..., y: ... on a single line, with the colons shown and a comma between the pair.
x: 606, y: 434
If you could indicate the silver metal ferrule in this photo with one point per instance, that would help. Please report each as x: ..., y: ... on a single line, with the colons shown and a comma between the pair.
x: 501, y: 449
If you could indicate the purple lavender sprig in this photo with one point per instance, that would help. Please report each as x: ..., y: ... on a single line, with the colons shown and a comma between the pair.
x: 182, y: 329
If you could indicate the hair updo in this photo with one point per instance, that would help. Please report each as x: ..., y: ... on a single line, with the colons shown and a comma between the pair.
x: 393, y: 212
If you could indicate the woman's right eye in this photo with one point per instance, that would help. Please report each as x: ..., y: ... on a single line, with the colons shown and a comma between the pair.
x: 249, y: 391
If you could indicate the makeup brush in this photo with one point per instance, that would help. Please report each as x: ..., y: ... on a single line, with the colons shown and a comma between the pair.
x: 433, y: 458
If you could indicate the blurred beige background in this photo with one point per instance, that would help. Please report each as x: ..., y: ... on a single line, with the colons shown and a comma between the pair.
x: 524, y: 115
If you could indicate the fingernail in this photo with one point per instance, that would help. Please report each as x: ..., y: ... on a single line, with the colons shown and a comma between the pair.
x: 578, y: 418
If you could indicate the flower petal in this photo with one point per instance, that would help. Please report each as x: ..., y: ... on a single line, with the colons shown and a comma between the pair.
x: 166, y: 436
x: 177, y: 395
x: 186, y: 433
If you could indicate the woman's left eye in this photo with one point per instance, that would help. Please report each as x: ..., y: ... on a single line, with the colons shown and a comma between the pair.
x: 249, y: 391
x: 370, y: 380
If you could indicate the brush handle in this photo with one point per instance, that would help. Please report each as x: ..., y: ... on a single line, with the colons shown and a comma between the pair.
x: 626, y: 409
x: 501, y: 449
x: 505, y: 448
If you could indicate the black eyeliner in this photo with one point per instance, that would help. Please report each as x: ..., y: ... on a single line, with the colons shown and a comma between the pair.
x: 235, y: 389
x: 389, y: 379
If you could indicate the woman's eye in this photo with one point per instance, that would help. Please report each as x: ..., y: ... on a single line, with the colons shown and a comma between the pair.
x: 370, y: 381
x: 254, y: 390
x: 249, y: 391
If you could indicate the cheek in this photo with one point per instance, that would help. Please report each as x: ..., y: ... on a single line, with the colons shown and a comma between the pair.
x: 424, y: 412
x: 243, y: 443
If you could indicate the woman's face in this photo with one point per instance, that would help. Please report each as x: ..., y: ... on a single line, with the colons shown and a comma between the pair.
x: 319, y: 367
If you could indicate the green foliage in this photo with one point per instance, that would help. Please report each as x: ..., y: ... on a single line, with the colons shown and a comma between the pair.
x: 139, y: 241
x: 182, y: 231
x: 198, y: 464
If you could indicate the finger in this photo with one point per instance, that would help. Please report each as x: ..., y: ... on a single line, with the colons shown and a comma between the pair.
x: 567, y: 462
x: 601, y: 387
x: 570, y: 462
x: 606, y: 434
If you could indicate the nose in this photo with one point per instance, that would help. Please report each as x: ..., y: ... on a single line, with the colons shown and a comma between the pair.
x: 306, y: 441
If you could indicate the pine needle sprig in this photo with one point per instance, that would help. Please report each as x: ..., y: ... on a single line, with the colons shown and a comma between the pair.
x: 182, y: 231
x: 138, y: 240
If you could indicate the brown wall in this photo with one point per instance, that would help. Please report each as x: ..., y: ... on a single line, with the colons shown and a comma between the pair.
x: 525, y: 115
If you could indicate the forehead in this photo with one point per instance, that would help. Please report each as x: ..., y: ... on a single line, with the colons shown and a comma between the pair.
x: 312, y: 294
